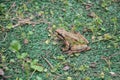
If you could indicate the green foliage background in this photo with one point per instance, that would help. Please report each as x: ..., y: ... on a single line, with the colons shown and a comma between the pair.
x: 28, y: 62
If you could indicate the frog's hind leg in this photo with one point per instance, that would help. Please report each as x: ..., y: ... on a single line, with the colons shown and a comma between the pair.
x: 69, y: 52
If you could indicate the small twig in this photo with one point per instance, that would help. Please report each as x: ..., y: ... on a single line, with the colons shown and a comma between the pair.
x: 31, y: 74
x: 13, y: 5
x: 28, y: 21
x: 6, y: 77
x: 48, y: 62
x: 58, y: 76
x: 107, y: 60
x: 117, y: 53
x: 4, y: 37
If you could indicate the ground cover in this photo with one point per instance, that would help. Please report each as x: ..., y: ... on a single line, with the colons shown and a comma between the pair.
x: 29, y: 52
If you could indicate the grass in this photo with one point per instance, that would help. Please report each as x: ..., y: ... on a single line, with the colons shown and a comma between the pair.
x: 62, y: 13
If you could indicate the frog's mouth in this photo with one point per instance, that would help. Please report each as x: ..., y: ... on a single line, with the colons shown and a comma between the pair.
x: 60, y: 35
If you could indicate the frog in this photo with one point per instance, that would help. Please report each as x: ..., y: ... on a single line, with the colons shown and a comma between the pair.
x: 74, y: 42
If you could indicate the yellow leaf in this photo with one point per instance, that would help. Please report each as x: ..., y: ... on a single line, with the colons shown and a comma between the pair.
x: 107, y: 36
x: 102, y: 75
x: 54, y: 26
x: 69, y: 78
x: 47, y: 41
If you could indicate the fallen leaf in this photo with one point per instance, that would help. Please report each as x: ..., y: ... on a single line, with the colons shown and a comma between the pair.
x: 93, y: 38
x: 86, y: 30
x: 40, y: 13
x: 66, y: 67
x: 53, y: 70
x: 116, y: 0
x: 100, y: 38
x: 113, y: 74
x: 69, y: 78
x: 92, y: 15
x: 26, y: 41
x: 54, y: 42
x: 88, y: 6
x: 47, y: 41
x: 1, y: 72
x: 2, y: 29
x: 87, y: 78
x: 64, y: 10
x: 93, y: 65
x: 45, y: 70
x: 102, y: 75
x: 107, y: 36
x: 39, y: 78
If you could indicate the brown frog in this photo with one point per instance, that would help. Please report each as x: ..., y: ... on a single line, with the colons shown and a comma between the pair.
x: 74, y: 42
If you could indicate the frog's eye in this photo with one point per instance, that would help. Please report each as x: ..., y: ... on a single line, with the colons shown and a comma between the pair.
x: 60, y: 34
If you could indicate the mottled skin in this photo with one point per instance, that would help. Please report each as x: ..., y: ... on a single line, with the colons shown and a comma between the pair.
x: 74, y: 42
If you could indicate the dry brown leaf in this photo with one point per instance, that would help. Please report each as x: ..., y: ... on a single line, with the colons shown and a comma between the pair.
x: 66, y: 67
x: 113, y: 74
x: 93, y: 65
x: 26, y: 41
x: 92, y: 15
x: 64, y: 10
x: 116, y: 0
x: 93, y: 38
x: 88, y: 6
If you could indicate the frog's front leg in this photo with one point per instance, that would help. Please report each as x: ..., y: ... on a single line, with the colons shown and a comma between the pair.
x: 67, y: 46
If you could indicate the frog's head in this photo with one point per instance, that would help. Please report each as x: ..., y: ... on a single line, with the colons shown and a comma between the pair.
x: 60, y: 31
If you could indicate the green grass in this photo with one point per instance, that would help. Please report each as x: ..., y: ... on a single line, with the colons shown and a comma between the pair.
x: 60, y: 13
